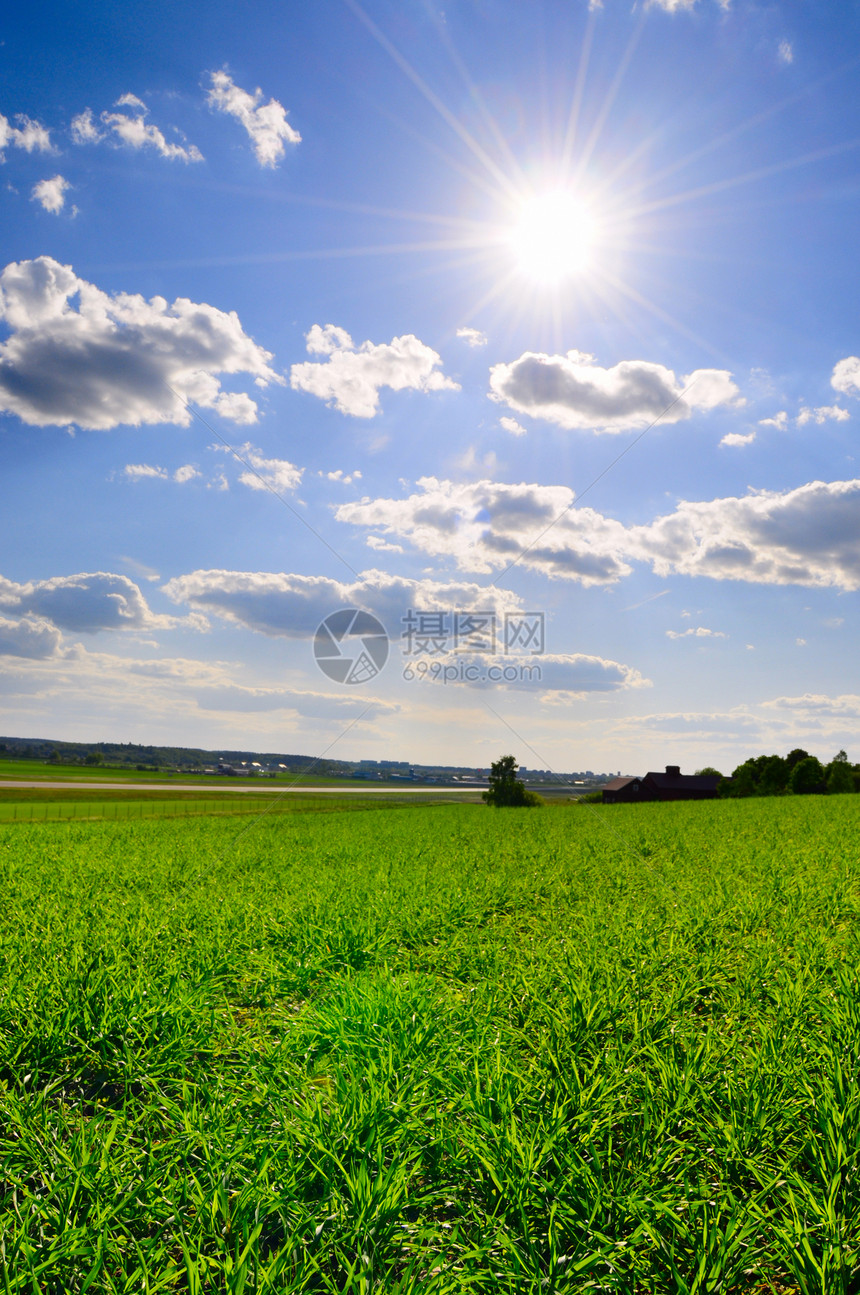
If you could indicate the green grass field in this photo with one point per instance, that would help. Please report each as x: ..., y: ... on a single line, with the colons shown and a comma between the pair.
x: 77, y: 804
x: 433, y: 1049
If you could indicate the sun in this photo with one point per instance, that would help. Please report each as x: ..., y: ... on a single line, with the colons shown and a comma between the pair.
x: 553, y: 237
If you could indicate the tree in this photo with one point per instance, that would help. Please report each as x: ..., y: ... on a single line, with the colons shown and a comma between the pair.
x: 773, y: 774
x: 94, y: 757
x: 505, y: 788
x: 743, y: 779
x: 840, y: 777
x: 807, y: 777
x: 794, y: 757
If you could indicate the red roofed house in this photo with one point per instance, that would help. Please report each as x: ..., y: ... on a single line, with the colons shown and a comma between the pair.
x: 671, y: 785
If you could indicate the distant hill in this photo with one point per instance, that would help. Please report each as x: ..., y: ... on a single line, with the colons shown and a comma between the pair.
x: 133, y: 755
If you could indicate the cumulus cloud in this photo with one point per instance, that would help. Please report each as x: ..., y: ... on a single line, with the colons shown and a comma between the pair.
x: 846, y: 376
x: 28, y: 638
x: 807, y: 536
x: 700, y: 632
x: 351, y: 377
x: 79, y: 355
x: 345, y: 478
x: 51, y: 193
x: 266, y: 123
x: 275, y: 474
x: 29, y: 135
x: 187, y: 472
x: 557, y: 676
x: 382, y: 546
x: 823, y: 414
x: 814, y: 720
x: 511, y: 425
x: 484, y: 525
x: 816, y: 705
x: 130, y: 128
x: 738, y: 439
x: 779, y: 421
x: 149, y: 471
x: 84, y: 129
x: 175, y: 689
x: 574, y: 392
x: 671, y: 6
x: 85, y: 603
x: 144, y: 471
x: 291, y: 606
x: 472, y: 336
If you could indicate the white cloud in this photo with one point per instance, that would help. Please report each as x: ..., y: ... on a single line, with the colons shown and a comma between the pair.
x: 785, y: 52
x: 737, y: 439
x: 779, y: 421
x: 823, y: 414
x: 818, y: 705
x: 382, y: 546
x: 129, y: 100
x: 144, y: 471
x: 141, y: 569
x: 51, y: 193
x: 266, y: 124
x: 278, y: 474
x: 574, y: 392
x: 84, y: 129
x: 32, y: 136
x: 846, y: 376
x: 559, y: 677
x: 131, y: 129
x: 484, y: 525
x: 28, y: 638
x: 671, y: 6
x: 345, y: 478
x: 114, y: 359
x: 814, y: 720
x: 292, y: 606
x: 699, y: 632
x: 187, y: 472
x: 511, y: 425
x: 85, y: 603
x: 807, y: 536
x: 172, y: 690
x: 475, y: 464
x: 472, y: 336
x: 351, y: 378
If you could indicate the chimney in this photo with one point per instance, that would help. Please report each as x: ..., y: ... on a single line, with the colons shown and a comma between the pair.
x: 673, y: 770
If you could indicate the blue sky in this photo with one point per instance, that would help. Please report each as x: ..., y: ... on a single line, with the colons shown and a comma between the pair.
x: 526, y: 311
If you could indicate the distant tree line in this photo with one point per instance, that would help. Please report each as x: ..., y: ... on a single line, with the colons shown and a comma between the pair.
x: 796, y: 774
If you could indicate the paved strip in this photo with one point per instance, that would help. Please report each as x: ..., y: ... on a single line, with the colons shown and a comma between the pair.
x: 272, y: 789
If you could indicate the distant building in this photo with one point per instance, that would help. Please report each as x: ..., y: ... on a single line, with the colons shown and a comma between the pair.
x: 671, y: 785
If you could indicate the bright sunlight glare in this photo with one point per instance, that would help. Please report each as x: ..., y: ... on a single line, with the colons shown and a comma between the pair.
x: 553, y: 237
